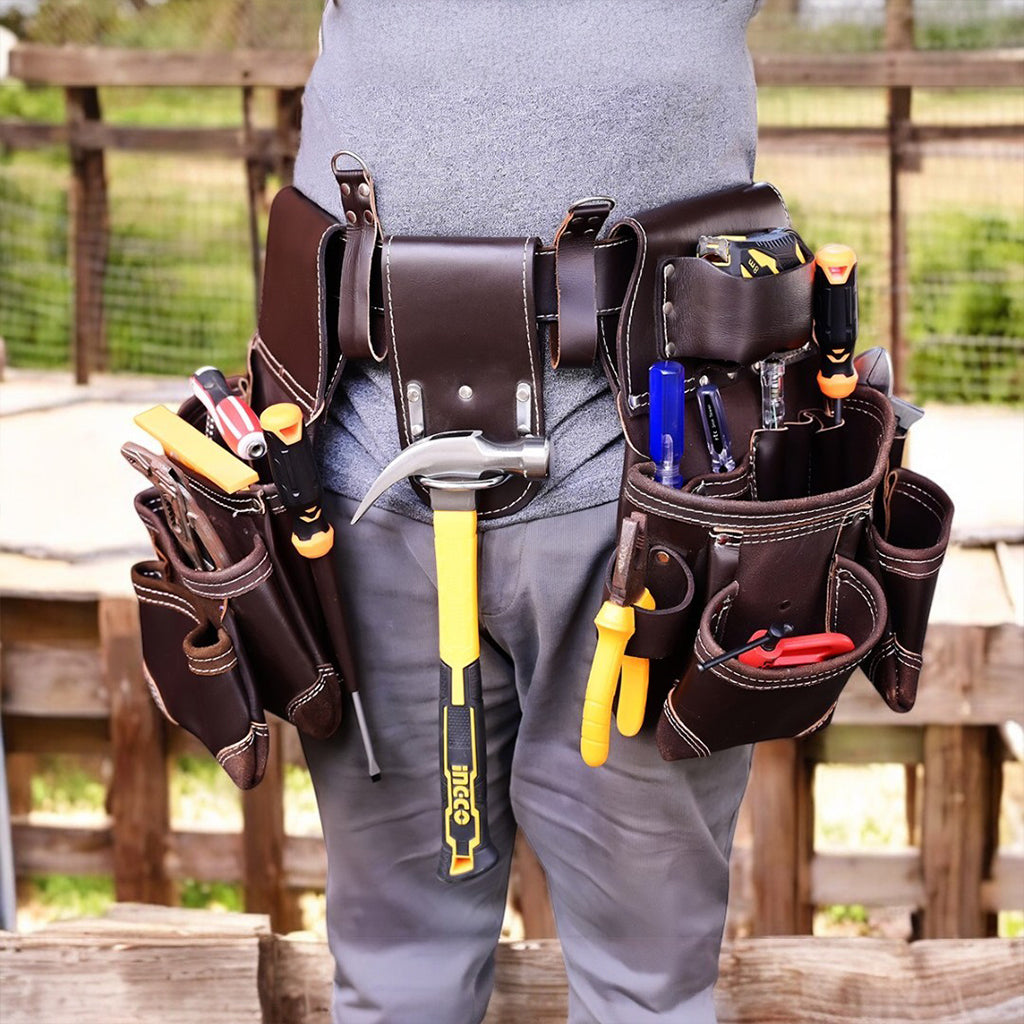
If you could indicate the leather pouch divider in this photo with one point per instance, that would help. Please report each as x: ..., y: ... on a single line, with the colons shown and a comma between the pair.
x: 289, y: 674
x: 193, y: 671
x: 904, y: 547
x: 462, y: 336
x: 707, y: 313
x: 734, y: 703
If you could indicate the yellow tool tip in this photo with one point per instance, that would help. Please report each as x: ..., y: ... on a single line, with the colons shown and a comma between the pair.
x: 836, y: 261
x: 284, y: 420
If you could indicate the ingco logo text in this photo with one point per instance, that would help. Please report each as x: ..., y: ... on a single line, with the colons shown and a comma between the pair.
x: 462, y: 806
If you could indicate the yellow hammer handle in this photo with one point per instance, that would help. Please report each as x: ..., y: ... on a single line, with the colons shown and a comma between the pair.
x: 615, y: 625
x: 455, y: 551
x: 636, y: 674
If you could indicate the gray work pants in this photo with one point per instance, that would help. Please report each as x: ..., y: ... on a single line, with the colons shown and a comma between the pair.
x: 636, y: 852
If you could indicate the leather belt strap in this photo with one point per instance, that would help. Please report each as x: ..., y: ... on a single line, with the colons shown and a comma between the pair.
x: 362, y: 237
x: 573, y: 338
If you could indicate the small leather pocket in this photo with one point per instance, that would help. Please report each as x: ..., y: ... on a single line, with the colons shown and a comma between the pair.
x: 706, y: 313
x: 905, y: 547
x: 195, y: 677
x: 734, y: 703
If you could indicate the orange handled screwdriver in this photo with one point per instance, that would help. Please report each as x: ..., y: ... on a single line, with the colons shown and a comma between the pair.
x: 293, y: 467
x: 835, y: 321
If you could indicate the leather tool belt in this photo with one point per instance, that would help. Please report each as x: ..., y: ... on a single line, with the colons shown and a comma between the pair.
x: 817, y: 524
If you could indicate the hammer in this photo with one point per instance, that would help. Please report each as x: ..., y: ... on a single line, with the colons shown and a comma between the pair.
x: 453, y: 467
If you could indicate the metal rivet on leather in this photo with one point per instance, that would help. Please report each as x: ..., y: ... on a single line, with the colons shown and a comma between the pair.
x: 417, y: 423
x: 667, y: 308
x: 524, y: 418
x: 670, y: 348
x: 368, y: 216
x: 350, y: 217
x: 346, y: 188
x: 669, y: 270
x: 364, y: 189
x: 465, y: 392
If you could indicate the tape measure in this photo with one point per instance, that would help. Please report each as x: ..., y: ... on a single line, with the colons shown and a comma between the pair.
x: 755, y: 255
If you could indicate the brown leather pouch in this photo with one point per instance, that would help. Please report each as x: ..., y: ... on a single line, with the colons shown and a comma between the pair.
x: 792, y: 534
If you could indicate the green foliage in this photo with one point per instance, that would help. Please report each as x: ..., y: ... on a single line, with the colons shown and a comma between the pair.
x: 43, y: 104
x: 62, y: 784
x: 967, y: 308
x: 977, y: 34
x: 211, y: 895
x: 65, y: 896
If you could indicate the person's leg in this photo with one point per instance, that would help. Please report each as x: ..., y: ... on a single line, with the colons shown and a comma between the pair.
x: 407, y: 946
x: 636, y: 852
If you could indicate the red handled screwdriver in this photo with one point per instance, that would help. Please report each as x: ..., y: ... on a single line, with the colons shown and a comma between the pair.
x: 235, y: 421
x: 835, y: 321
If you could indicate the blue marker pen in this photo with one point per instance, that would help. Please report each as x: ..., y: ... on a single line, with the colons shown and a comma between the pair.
x: 667, y: 380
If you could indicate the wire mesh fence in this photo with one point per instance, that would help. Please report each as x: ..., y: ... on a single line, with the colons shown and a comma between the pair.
x: 178, y: 287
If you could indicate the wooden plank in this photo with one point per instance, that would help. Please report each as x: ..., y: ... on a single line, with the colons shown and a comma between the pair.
x: 973, y: 571
x: 51, y: 680
x: 296, y: 981
x: 61, y: 849
x: 30, y: 620
x: 1005, y: 890
x: 870, y: 981
x: 958, y: 825
x: 971, y: 676
x: 288, y: 117
x: 138, y: 796
x: 118, y: 979
x: 305, y: 862
x: 871, y: 878
x: 108, y: 66
x: 866, y: 744
x: 1011, y: 565
x: 37, y: 735
x: 916, y: 69
x: 782, y: 827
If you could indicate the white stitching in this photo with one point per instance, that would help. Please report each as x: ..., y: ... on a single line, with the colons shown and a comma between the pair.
x: 916, y: 562
x: 323, y: 673
x: 394, y: 340
x: 529, y: 344
x: 632, y: 306
x: 225, y: 754
x: 282, y: 374
x: 216, y: 589
x: 212, y: 670
x: 699, y: 747
x: 936, y: 505
x: 181, y: 604
x: 794, y: 682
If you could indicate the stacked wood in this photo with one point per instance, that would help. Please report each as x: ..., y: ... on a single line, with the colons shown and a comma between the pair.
x: 181, y: 966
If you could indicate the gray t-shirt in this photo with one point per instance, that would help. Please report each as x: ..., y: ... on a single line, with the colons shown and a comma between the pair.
x: 489, y: 117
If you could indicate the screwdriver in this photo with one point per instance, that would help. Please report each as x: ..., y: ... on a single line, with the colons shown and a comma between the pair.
x: 293, y: 468
x: 667, y: 380
x: 234, y: 419
x: 835, y: 321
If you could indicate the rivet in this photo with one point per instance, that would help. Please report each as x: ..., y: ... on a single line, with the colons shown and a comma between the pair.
x: 346, y: 188
x: 670, y: 348
x: 350, y: 217
x: 465, y: 392
x: 414, y: 393
x: 368, y: 216
x: 667, y: 308
x: 661, y: 557
x: 669, y: 269
x: 523, y: 393
x: 364, y: 189
x: 590, y: 231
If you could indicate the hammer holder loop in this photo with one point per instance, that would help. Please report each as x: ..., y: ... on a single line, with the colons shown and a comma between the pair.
x: 573, y: 338
x: 362, y: 238
x: 460, y: 327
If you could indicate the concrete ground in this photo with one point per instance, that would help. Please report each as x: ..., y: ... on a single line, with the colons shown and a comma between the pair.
x: 67, y: 523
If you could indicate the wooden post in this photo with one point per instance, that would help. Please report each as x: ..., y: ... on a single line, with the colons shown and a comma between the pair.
x: 288, y: 104
x: 782, y: 812
x: 263, y: 844
x: 138, y: 791
x: 958, y: 830
x: 529, y: 892
x: 89, y: 235
x: 899, y: 35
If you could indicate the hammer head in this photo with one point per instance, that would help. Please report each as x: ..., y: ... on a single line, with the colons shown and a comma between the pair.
x: 461, y: 461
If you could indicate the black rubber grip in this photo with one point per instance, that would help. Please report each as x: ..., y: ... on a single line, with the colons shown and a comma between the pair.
x: 466, y: 849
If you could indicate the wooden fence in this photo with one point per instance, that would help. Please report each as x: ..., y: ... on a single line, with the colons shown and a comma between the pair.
x: 71, y: 682
x: 82, y: 72
x: 186, y: 966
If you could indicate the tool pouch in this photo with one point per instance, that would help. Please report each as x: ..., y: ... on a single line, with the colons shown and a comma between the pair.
x: 810, y: 526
